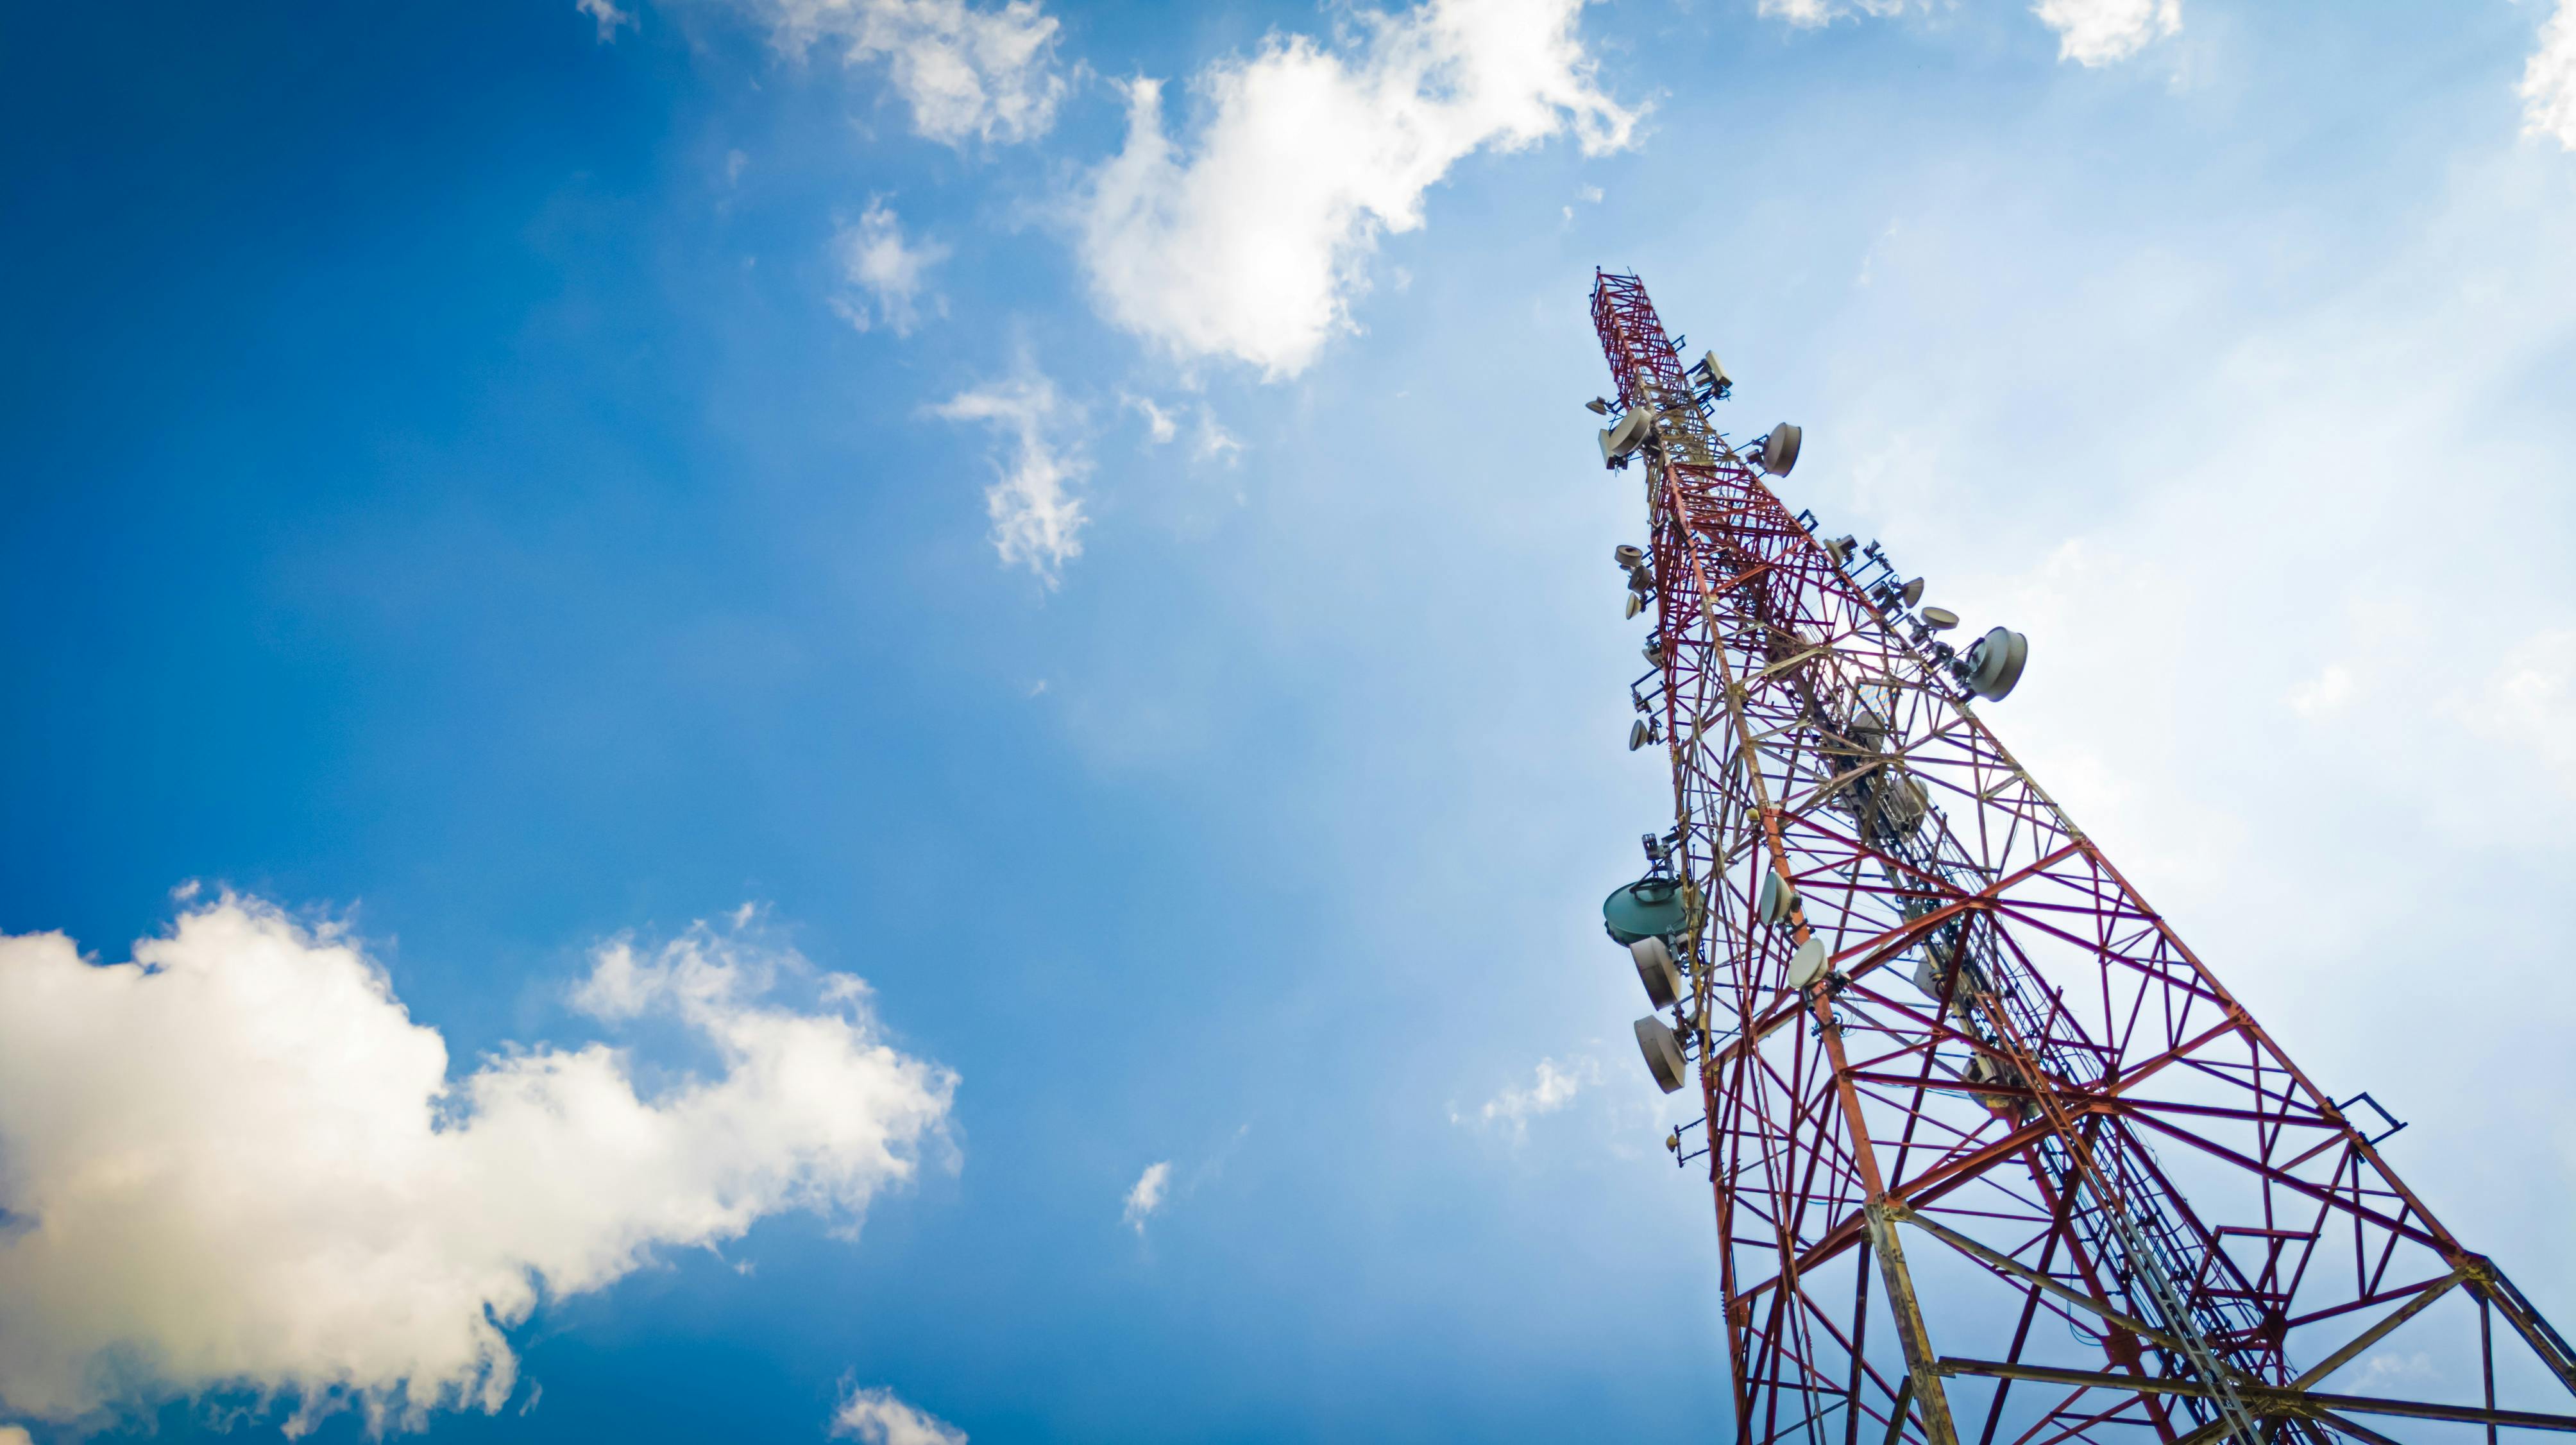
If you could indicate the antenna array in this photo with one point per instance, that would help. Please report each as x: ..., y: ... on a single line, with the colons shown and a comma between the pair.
x: 1924, y: 1013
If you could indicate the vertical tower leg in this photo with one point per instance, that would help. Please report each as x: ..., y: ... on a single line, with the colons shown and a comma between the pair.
x: 1924, y: 1380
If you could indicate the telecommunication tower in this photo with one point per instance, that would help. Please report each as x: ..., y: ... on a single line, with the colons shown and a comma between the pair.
x: 1995, y: 1157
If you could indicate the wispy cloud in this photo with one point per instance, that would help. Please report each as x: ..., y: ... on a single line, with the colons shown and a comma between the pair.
x: 1160, y: 425
x: 1163, y: 1181
x: 607, y: 14
x: 235, y: 1150
x: 883, y: 276
x: 2325, y: 694
x: 2529, y: 704
x: 1213, y: 442
x: 968, y: 73
x: 1037, y: 521
x: 877, y: 1417
x: 1252, y: 243
x: 1210, y: 441
x: 1809, y: 14
x: 1147, y: 1195
x: 2089, y: 32
x: 1552, y: 1086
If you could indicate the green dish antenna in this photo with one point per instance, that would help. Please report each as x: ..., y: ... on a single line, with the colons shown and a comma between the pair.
x: 1647, y: 908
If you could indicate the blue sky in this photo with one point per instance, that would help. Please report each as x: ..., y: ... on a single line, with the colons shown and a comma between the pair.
x: 542, y: 541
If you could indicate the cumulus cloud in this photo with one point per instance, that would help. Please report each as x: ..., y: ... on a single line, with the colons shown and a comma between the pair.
x: 2098, y: 32
x: 1552, y: 1087
x: 1252, y: 243
x: 1037, y: 521
x: 876, y: 1417
x: 882, y: 275
x: 1148, y: 1194
x: 2549, y: 81
x: 236, y: 1162
x: 967, y: 73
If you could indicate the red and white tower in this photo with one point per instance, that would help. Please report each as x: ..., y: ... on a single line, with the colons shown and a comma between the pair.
x: 1995, y: 1156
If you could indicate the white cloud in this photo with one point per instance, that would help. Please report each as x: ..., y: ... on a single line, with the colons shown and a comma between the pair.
x: 2089, y: 32
x: 2549, y: 81
x: 1551, y: 1088
x: 609, y: 18
x: 2324, y: 694
x: 2388, y: 1372
x: 1148, y: 1194
x: 2098, y: 32
x: 876, y: 1417
x: 885, y: 276
x: 1160, y: 425
x: 966, y: 72
x: 15, y: 1435
x: 1037, y: 521
x: 1808, y: 14
x: 2530, y: 704
x: 1253, y: 243
x: 237, y: 1163
x: 1214, y: 443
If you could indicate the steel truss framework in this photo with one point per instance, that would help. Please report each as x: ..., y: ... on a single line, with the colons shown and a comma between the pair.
x: 2130, y: 1215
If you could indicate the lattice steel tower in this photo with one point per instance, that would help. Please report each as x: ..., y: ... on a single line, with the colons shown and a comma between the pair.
x: 1995, y: 1157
